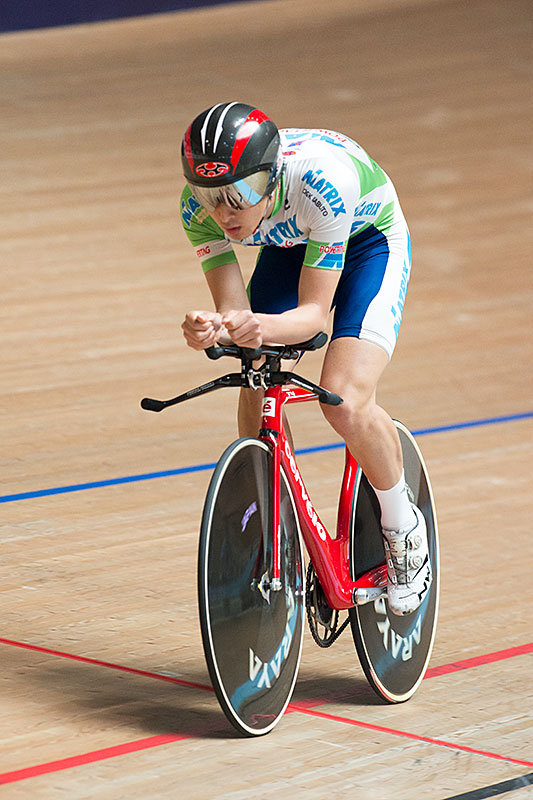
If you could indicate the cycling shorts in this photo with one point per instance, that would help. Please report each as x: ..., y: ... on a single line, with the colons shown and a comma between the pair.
x: 370, y: 295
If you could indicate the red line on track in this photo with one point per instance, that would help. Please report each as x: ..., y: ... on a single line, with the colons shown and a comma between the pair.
x: 478, y: 661
x: 303, y: 708
x: 432, y: 672
x: 109, y: 664
x: 89, y: 758
x: 415, y: 736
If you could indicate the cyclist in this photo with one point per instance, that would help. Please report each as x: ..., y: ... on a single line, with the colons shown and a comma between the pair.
x: 331, y: 233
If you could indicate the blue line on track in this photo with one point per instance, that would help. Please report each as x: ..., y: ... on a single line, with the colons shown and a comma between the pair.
x: 81, y: 487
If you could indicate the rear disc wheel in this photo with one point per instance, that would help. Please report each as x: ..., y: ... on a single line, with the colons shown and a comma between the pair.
x: 394, y: 650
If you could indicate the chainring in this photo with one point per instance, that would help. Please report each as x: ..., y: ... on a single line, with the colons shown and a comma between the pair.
x: 323, y: 621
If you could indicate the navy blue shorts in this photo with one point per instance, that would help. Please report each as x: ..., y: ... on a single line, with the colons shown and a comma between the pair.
x: 370, y: 294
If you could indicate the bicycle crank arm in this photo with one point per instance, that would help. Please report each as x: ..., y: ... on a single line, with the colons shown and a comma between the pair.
x: 370, y: 586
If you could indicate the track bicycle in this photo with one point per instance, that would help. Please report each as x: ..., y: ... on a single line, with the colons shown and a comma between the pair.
x: 253, y: 591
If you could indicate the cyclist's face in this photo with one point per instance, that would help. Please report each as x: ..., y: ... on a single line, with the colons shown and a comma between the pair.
x: 240, y: 223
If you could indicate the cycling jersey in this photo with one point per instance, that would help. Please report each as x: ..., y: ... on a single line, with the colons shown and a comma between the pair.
x: 330, y: 191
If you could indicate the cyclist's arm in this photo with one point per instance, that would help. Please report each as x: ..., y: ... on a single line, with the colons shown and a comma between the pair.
x: 227, y: 287
x: 316, y: 290
x: 322, y: 267
x: 323, y: 261
x: 211, y: 245
x: 315, y: 295
x: 203, y: 328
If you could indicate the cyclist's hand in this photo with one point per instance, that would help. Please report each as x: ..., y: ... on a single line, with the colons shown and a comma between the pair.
x: 244, y: 328
x: 201, y: 329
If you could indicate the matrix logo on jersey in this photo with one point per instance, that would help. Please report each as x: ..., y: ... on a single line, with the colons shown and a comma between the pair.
x: 188, y: 207
x: 282, y: 234
x: 212, y: 169
x: 326, y: 189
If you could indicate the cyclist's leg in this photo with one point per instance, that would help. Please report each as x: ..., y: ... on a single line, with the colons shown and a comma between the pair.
x: 249, y: 411
x: 394, y: 674
x: 369, y: 304
x: 352, y: 368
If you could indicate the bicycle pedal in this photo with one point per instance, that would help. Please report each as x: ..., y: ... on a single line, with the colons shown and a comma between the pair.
x: 363, y: 596
x: 370, y: 586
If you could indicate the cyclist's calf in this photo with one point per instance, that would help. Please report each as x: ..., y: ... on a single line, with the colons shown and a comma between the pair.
x: 249, y: 411
x: 370, y: 435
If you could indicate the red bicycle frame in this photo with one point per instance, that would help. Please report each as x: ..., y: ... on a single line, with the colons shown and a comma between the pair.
x: 330, y: 556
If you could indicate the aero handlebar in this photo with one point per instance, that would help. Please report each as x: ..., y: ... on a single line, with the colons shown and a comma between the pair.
x: 267, y: 375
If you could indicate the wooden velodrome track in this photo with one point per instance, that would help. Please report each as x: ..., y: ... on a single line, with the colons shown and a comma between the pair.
x: 103, y: 681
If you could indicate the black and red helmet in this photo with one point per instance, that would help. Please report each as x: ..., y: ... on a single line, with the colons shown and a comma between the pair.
x: 235, y: 146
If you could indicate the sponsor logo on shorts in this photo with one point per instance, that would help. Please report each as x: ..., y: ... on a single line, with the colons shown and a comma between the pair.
x: 397, y: 309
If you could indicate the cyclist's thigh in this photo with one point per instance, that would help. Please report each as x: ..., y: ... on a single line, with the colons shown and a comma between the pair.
x: 352, y: 368
x: 371, y: 292
x: 273, y: 287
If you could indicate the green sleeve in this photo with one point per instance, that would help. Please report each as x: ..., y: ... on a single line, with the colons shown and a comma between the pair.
x: 207, y: 238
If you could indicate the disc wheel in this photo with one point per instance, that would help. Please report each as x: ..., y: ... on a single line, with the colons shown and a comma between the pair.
x: 394, y: 650
x: 252, y: 635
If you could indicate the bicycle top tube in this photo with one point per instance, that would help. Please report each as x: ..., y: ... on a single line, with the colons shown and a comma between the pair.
x: 265, y: 376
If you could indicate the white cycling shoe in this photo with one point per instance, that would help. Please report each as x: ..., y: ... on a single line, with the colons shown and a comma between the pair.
x: 408, y: 565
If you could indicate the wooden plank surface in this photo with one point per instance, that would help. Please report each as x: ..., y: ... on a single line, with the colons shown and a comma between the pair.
x: 96, y: 275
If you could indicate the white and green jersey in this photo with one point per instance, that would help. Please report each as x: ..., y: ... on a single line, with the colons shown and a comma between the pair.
x: 330, y: 191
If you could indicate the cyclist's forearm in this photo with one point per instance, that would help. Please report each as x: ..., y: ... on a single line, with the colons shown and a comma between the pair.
x: 295, y: 325
x: 227, y: 287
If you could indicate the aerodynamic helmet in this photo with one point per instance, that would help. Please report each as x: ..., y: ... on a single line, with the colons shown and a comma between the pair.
x: 231, y: 153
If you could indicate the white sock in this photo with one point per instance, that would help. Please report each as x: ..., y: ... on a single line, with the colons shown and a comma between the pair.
x: 396, y: 511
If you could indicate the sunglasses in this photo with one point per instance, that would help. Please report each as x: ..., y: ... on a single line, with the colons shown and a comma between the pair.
x: 239, y: 195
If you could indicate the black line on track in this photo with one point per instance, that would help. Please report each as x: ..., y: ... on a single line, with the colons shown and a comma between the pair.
x: 495, y: 789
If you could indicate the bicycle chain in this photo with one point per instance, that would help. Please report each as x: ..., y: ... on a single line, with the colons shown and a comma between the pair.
x: 310, y: 621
